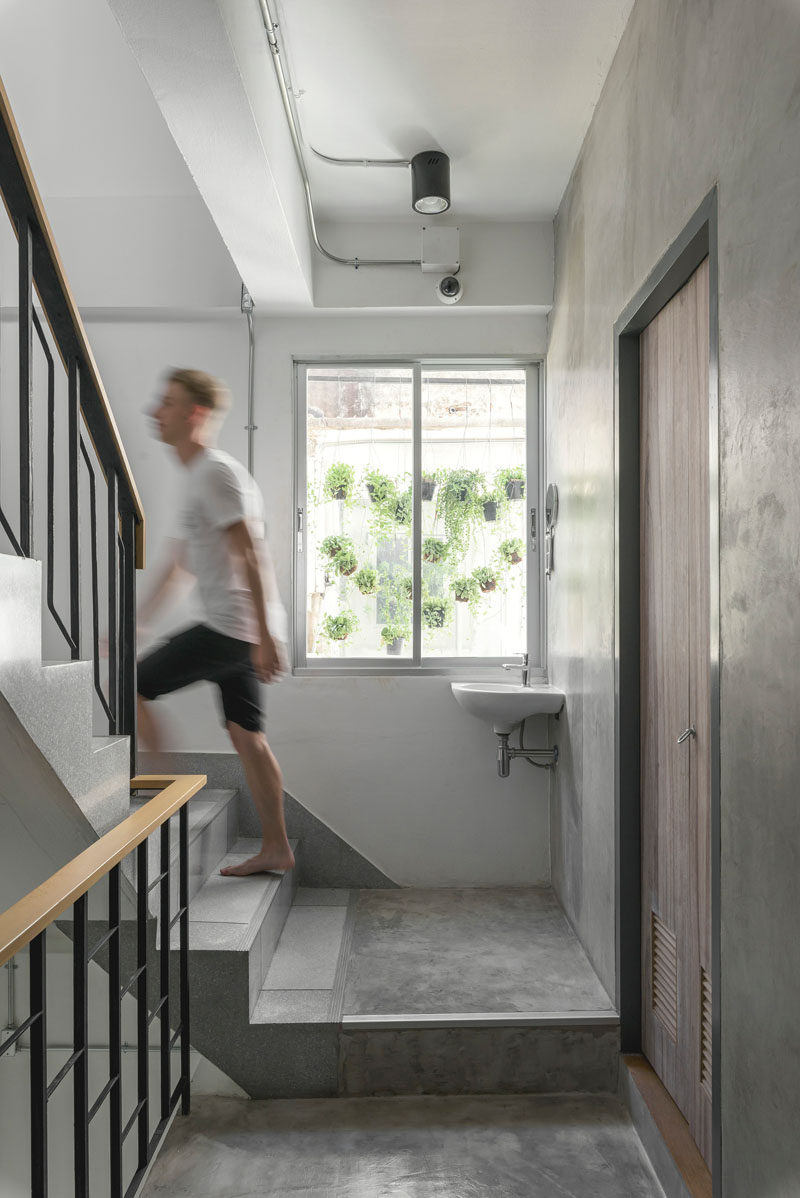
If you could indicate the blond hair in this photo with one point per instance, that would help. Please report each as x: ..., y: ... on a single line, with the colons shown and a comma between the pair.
x: 203, y: 389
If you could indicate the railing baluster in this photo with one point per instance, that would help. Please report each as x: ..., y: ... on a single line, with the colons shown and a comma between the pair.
x: 51, y: 446
x: 164, y: 971
x: 25, y: 387
x: 128, y: 632
x: 95, y: 585
x: 115, y: 1034
x: 183, y: 903
x: 113, y: 568
x: 38, y: 1067
x: 80, y: 1042
x: 73, y: 462
x: 142, y: 1015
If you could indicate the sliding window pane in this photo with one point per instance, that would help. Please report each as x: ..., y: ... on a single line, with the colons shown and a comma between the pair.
x: 359, y: 460
x: 473, y: 512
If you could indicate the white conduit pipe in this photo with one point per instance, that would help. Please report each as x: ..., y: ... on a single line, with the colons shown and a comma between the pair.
x: 272, y: 39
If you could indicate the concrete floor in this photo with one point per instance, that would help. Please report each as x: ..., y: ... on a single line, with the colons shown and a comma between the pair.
x: 440, y: 951
x: 516, y: 1147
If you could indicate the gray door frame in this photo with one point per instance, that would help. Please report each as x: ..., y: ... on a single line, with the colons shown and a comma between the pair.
x: 697, y: 241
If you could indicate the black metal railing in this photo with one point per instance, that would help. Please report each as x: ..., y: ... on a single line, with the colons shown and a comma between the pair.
x: 150, y: 983
x: 91, y: 438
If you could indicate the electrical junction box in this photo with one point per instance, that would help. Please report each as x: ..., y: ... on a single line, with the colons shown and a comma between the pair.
x: 440, y: 250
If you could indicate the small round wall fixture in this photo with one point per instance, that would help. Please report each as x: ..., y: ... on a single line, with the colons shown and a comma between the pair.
x: 430, y: 182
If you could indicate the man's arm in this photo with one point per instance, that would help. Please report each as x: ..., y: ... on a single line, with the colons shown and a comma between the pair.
x: 269, y: 655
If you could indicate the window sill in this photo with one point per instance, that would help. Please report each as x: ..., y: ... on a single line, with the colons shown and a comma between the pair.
x: 458, y: 670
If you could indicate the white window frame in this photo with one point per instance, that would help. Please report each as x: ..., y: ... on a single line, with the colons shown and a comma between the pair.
x: 535, y: 579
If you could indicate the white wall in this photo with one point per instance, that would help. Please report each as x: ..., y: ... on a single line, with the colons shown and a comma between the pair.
x: 391, y: 764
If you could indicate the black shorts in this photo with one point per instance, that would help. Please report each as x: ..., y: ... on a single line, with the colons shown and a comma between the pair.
x: 200, y: 654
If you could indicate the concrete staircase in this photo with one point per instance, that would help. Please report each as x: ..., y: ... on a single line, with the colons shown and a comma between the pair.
x: 53, y: 701
x: 284, y: 999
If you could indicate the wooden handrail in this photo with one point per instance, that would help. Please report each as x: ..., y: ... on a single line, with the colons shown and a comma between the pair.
x: 33, y: 913
x: 7, y: 117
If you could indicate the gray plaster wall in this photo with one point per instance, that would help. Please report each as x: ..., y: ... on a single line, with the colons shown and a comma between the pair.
x: 700, y: 92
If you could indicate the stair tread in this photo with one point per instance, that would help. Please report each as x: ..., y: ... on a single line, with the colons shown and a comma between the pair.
x: 106, y: 742
x: 203, y: 808
x: 236, y: 904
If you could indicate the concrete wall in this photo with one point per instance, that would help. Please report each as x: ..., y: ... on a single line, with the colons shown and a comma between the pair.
x: 394, y: 766
x: 700, y: 92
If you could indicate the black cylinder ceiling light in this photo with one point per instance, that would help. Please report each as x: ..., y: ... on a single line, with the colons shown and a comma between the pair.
x: 430, y: 182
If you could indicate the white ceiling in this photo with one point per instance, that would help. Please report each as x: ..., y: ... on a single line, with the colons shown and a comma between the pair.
x: 506, y: 89
x: 159, y: 143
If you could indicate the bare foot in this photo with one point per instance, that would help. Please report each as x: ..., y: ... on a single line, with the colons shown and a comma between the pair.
x: 262, y: 863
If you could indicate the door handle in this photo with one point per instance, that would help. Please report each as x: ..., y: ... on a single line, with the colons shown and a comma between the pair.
x: 690, y: 731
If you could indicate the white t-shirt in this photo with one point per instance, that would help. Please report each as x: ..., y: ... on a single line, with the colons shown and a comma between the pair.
x: 219, y: 492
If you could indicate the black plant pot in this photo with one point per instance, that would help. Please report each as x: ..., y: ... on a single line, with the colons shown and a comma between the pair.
x: 515, y: 488
x: 488, y: 586
x: 371, y: 490
x: 490, y: 511
x: 340, y: 493
x: 428, y: 489
x: 395, y: 647
x: 461, y: 494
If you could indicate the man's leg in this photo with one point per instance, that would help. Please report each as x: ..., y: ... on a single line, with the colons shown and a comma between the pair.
x: 266, y: 786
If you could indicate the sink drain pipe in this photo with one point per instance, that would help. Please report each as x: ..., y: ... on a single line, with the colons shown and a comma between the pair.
x: 544, y: 759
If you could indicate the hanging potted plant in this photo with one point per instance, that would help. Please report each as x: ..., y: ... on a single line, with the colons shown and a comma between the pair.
x: 379, y: 486
x: 367, y: 580
x: 335, y: 544
x: 339, y: 627
x: 434, y: 550
x: 428, y: 487
x: 466, y: 590
x: 402, y: 509
x: 345, y: 562
x: 382, y: 512
x: 393, y: 636
x: 486, y: 578
x: 512, y: 481
x: 339, y: 481
x: 435, y: 612
x: 511, y: 550
x: 458, y: 504
x: 405, y: 585
x: 492, y: 502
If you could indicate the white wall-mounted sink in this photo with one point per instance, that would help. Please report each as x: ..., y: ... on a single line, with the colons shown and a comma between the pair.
x: 504, y: 705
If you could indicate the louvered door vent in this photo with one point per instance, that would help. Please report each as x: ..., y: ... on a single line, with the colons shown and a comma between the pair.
x: 665, y: 976
x: 705, y: 1031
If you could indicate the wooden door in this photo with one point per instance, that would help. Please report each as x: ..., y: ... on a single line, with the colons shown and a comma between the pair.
x: 675, y: 697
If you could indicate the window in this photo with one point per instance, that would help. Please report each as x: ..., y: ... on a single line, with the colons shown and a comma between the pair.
x: 417, y: 497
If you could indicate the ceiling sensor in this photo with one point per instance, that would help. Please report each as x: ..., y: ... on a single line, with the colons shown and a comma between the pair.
x: 449, y: 290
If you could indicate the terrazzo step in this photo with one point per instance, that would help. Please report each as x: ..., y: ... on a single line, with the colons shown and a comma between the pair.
x: 53, y: 701
x: 234, y: 926
x: 20, y: 611
x: 107, y: 801
x: 305, y: 979
x: 213, y: 821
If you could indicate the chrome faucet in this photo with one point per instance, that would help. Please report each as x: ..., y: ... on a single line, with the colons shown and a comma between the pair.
x: 519, y: 665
